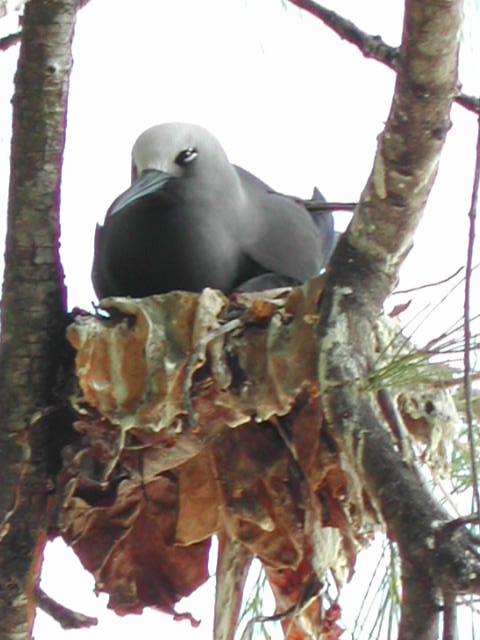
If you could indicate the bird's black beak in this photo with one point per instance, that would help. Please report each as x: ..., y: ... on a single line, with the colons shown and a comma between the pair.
x: 148, y: 183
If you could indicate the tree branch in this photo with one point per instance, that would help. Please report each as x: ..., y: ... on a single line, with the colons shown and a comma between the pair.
x: 449, y: 617
x: 363, y: 271
x: 409, y: 149
x: 420, y: 605
x: 65, y: 617
x: 8, y: 41
x: 472, y: 214
x: 370, y: 46
x: 302, y: 361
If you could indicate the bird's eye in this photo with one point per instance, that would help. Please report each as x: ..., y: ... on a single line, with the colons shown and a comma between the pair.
x: 186, y: 156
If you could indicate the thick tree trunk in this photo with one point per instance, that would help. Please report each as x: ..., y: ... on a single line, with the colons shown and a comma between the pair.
x: 334, y: 347
x: 33, y: 305
x: 320, y: 346
x: 364, y: 270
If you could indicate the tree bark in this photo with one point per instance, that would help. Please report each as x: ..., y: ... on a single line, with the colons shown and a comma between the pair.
x: 364, y: 270
x: 33, y: 304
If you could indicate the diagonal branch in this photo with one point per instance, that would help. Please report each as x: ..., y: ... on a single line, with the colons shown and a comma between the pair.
x: 66, y: 618
x: 370, y: 46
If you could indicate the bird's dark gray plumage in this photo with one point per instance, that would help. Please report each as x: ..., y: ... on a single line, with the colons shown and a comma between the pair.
x: 192, y: 220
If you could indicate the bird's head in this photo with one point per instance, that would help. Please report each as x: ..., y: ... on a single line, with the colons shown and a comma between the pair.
x: 178, y: 149
x: 171, y: 151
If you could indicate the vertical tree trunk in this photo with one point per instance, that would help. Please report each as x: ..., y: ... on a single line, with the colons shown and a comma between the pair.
x: 33, y: 305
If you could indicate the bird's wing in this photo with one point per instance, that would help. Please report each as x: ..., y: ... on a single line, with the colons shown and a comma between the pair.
x: 324, y: 222
x: 280, y: 233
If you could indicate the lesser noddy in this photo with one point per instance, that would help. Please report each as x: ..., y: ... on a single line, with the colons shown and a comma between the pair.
x: 192, y: 220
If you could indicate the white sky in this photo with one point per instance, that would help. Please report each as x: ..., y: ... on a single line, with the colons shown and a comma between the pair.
x: 289, y: 101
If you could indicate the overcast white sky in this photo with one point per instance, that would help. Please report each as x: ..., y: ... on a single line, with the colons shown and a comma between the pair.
x: 288, y: 100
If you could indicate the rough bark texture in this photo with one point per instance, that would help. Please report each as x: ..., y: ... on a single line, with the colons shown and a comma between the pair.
x: 33, y: 305
x: 409, y: 149
x: 364, y: 269
x: 269, y: 433
x: 297, y: 380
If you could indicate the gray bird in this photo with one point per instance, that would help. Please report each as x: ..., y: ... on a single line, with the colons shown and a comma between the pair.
x: 192, y: 220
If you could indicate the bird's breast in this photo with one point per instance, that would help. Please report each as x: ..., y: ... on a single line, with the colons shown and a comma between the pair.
x: 154, y: 248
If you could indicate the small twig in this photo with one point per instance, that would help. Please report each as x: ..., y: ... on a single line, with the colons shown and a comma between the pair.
x: 461, y: 522
x: 449, y: 616
x: 370, y: 46
x: 398, y: 428
x: 178, y: 617
x: 8, y: 41
x: 451, y: 332
x: 431, y: 309
x: 196, y: 356
x: 455, y: 382
x: 472, y: 214
x: 317, y: 207
x: 430, y: 284
x: 13, y: 38
x: 363, y: 609
x: 471, y: 103
x: 65, y: 617
x: 309, y: 592
x: 457, y: 527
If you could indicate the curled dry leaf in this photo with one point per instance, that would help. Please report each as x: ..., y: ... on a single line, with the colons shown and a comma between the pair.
x: 146, y: 484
